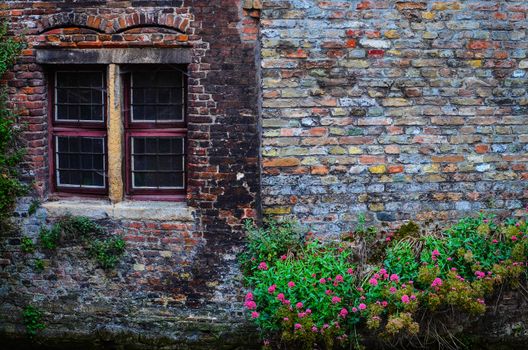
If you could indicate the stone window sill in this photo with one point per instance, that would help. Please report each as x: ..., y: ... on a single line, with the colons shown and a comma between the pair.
x: 127, y: 210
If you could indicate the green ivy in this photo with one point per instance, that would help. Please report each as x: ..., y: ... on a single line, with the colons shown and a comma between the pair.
x: 10, y: 153
x: 39, y: 265
x: 32, y: 319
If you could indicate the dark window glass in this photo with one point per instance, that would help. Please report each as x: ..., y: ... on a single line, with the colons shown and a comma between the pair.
x: 157, y: 96
x: 79, y: 96
x: 80, y: 161
x: 158, y: 162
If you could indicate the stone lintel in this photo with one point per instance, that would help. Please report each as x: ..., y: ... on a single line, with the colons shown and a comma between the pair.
x: 145, y: 55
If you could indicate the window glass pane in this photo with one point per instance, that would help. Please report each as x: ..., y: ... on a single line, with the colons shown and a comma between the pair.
x: 80, y: 161
x: 79, y: 96
x: 158, y: 162
x: 157, y: 96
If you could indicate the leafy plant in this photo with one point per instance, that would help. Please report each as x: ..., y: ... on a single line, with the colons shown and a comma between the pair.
x: 27, y: 245
x: 33, y: 206
x: 107, y: 252
x: 50, y: 237
x: 39, y: 265
x: 80, y: 226
x: 32, y: 319
x: 269, y: 242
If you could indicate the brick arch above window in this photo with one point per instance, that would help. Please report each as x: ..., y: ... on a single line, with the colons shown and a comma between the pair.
x: 122, y: 23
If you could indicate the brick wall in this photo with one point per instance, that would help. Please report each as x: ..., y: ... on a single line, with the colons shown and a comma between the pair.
x: 397, y: 109
x: 180, y: 276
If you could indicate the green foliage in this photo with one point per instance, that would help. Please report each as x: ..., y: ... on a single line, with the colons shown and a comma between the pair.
x: 32, y: 319
x: 27, y: 245
x: 315, y: 296
x: 35, y: 204
x: 107, y: 252
x: 39, y: 265
x: 80, y: 226
x: 269, y: 242
x: 10, y: 152
x: 50, y: 237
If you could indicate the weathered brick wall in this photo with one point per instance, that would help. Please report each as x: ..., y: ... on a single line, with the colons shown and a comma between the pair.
x: 396, y: 109
x: 178, y: 279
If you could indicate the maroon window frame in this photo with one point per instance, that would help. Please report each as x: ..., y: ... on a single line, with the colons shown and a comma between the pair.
x: 75, y: 128
x: 157, y: 129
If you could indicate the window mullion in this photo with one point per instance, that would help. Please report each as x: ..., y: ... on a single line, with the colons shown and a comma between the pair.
x: 115, y: 136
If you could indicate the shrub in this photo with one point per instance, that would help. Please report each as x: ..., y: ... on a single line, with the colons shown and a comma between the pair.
x: 317, y: 297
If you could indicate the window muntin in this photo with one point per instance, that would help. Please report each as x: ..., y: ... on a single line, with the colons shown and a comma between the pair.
x: 80, y: 162
x: 79, y: 96
x: 158, y: 162
x: 157, y: 96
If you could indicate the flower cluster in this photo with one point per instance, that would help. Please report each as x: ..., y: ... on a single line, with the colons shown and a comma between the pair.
x: 319, y: 294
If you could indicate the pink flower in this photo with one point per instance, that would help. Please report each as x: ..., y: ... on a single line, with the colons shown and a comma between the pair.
x: 314, y: 329
x: 350, y: 270
x: 336, y: 300
x: 297, y: 326
x: 291, y: 284
x: 392, y: 290
x: 255, y: 314
x: 250, y: 304
x: 405, y: 299
x: 249, y: 296
x: 301, y: 314
x: 383, y: 271
x: 437, y: 282
x: 322, y: 281
x: 480, y: 274
x: 362, y: 306
x: 339, y: 278
x: 343, y: 312
x: 285, y: 319
x: 354, y: 309
x: 413, y: 297
x: 328, y: 292
x: 449, y: 259
x: 435, y: 254
x: 384, y: 303
x: 480, y: 301
x: 272, y: 288
x: 286, y: 302
x: 263, y: 266
x: 308, y: 311
x: 494, y: 241
x: 280, y: 296
x: 373, y: 282
x: 514, y: 238
x: 283, y: 257
x: 299, y: 305
x: 394, y: 277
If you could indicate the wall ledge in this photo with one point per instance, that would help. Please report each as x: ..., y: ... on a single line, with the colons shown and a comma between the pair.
x: 127, y: 210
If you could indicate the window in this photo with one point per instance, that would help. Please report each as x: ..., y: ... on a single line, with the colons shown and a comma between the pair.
x: 78, y: 131
x: 155, y: 131
x: 153, y: 102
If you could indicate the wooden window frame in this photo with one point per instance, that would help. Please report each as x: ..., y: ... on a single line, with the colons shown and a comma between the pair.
x: 76, y: 129
x: 148, y: 129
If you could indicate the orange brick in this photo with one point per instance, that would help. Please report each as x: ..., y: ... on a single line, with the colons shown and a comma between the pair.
x: 481, y: 148
x: 319, y: 170
x: 394, y: 169
x: 281, y: 162
x: 448, y: 159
